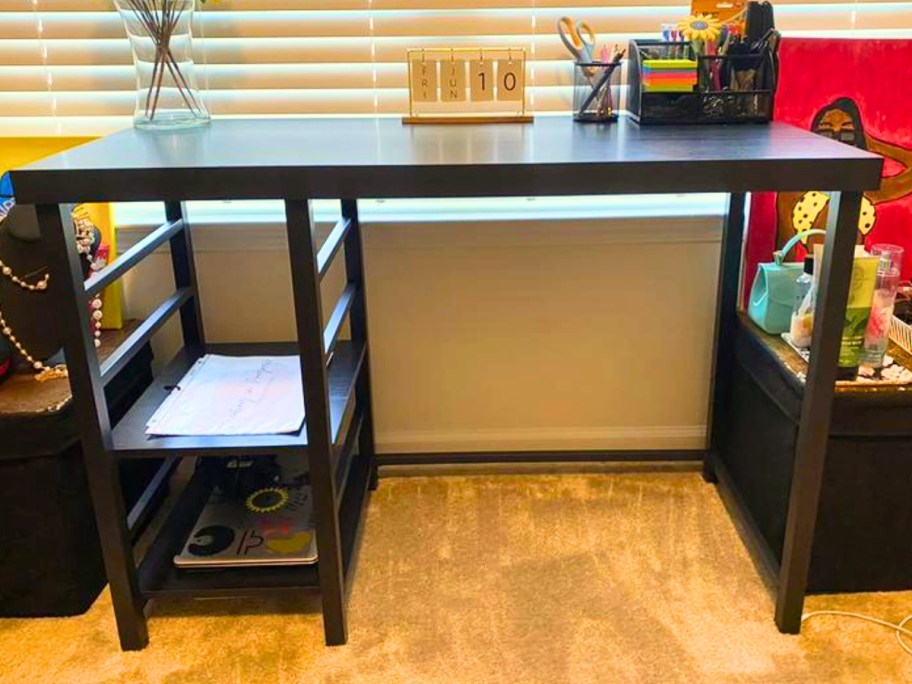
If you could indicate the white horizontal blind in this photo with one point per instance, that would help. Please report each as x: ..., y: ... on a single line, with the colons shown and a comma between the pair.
x: 66, y: 64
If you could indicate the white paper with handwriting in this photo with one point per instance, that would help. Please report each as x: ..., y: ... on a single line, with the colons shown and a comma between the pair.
x: 234, y: 395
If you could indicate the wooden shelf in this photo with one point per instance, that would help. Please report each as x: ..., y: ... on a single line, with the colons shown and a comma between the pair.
x: 129, y: 435
x: 159, y: 577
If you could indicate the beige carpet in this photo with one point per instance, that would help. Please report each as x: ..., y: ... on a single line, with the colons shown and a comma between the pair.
x: 600, y: 577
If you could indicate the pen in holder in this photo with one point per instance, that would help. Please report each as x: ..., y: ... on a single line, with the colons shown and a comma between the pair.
x: 592, y: 99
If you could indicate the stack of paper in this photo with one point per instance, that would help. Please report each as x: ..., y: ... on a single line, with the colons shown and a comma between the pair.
x: 234, y: 395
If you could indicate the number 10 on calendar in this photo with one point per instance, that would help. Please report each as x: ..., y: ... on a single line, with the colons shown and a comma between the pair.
x: 467, y: 85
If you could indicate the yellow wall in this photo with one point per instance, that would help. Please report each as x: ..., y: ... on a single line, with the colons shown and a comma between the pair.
x: 20, y: 151
x: 15, y: 152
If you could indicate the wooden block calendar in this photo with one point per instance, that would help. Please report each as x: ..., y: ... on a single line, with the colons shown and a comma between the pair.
x: 467, y: 85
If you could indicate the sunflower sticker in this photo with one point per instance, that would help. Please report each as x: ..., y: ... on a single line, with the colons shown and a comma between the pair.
x: 267, y: 500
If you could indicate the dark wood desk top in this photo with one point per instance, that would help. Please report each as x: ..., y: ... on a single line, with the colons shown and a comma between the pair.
x: 366, y: 157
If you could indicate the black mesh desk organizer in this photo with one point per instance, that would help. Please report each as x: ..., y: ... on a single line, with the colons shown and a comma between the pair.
x: 707, y: 103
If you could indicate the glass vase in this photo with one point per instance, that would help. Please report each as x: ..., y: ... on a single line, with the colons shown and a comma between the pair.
x: 167, y: 93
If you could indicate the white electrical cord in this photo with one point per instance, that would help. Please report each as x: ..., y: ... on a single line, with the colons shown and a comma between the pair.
x: 900, y: 628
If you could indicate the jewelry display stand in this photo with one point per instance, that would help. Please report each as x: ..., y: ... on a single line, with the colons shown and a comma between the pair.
x: 28, y: 311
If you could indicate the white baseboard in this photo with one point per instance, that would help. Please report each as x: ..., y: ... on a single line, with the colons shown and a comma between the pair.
x: 544, y: 439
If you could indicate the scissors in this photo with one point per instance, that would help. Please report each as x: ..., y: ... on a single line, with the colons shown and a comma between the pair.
x: 574, y: 35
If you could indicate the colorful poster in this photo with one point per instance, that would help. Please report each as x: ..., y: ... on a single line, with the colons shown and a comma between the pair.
x: 852, y: 91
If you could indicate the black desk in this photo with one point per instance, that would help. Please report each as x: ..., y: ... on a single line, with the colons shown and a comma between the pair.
x: 373, y: 158
x: 300, y: 160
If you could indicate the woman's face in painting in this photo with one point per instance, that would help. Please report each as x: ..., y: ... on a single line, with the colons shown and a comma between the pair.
x: 838, y: 125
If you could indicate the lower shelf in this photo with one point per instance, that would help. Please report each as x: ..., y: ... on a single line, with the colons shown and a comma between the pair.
x: 159, y: 577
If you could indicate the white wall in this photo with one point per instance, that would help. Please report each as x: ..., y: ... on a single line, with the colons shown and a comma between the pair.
x: 508, y: 335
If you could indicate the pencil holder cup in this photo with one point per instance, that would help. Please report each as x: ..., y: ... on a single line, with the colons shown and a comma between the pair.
x: 592, y: 98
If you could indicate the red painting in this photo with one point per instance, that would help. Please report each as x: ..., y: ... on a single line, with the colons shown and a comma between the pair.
x: 857, y: 92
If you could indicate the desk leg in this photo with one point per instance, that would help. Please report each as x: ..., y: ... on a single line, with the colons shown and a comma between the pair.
x: 354, y: 266
x: 305, y: 280
x: 183, y: 265
x: 726, y: 324
x: 814, y: 428
x: 90, y: 406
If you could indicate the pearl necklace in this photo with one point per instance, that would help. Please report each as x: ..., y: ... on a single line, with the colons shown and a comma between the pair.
x: 39, y: 285
x: 44, y: 372
x: 85, y: 238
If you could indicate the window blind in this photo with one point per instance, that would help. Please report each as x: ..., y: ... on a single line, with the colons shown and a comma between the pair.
x: 65, y: 65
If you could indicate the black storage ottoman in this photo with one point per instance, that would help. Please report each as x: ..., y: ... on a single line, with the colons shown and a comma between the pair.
x: 50, y: 556
x: 864, y: 523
